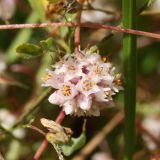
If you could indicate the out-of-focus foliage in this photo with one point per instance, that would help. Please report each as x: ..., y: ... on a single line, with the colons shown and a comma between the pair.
x: 21, y: 79
x: 28, y: 50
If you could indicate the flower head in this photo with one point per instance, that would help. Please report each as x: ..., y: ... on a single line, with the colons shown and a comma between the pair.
x: 82, y: 81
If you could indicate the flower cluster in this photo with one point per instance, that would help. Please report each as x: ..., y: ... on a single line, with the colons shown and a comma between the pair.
x: 82, y: 80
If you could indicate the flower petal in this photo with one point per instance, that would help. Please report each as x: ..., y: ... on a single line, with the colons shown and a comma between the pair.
x: 85, y: 102
x: 69, y: 106
x: 56, y: 98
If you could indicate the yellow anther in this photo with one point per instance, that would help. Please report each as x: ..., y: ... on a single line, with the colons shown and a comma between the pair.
x: 107, y: 93
x: 118, y: 82
x: 66, y: 90
x: 71, y: 67
x: 117, y: 76
x: 98, y: 70
x: 104, y: 59
x: 47, y: 77
x: 87, y: 85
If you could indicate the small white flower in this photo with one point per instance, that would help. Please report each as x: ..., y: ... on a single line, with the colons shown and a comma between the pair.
x: 56, y: 98
x: 69, y: 106
x: 66, y: 92
x: 7, y: 120
x: 84, y: 102
x: 101, y: 70
x: 88, y: 85
x: 82, y: 82
x: 72, y: 69
x: 104, y: 95
x: 53, y: 80
x: 151, y: 125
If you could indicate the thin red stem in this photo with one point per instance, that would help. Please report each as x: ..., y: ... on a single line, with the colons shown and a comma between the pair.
x: 78, y: 29
x: 44, y: 144
x: 85, y: 25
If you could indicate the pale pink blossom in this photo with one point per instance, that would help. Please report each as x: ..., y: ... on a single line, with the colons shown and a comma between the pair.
x: 88, y: 85
x: 82, y: 81
x: 84, y: 102
x: 53, y: 80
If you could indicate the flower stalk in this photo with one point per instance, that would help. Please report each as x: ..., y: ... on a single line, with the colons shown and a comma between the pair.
x: 77, y: 31
x: 130, y: 64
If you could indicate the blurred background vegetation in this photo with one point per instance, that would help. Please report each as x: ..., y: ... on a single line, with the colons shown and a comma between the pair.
x: 20, y: 79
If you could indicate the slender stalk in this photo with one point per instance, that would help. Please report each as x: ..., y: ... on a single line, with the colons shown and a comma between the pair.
x: 129, y: 49
x: 78, y: 29
x: 44, y: 144
x: 84, y: 25
x: 31, y: 106
x: 7, y: 132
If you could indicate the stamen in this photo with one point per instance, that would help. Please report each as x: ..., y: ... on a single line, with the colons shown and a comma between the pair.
x: 47, y: 77
x: 105, y: 59
x: 107, y: 93
x: 71, y: 67
x: 118, y: 82
x: 66, y: 90
x: 98, y: 70
x: 87, y: 85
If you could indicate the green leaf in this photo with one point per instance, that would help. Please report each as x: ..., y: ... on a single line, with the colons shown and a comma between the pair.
x: 39, y: 7
x: 69, y: 17
x: 28, y: 50
x: 53, y: 1
x: 73, y: 145
x: 151, y: 2
x: 63, y: 31
x: 144, y: 4
x: 47, y: 44
x: 93, y: 49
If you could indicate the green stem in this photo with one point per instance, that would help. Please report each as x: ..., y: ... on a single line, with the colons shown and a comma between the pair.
x: 14, y: 150
x: 7, y: 132
x: 32, y: 106
x: 129, y: 50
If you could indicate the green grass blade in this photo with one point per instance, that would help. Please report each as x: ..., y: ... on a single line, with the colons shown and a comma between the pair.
x: 22, y: 37
x: 129, y: 51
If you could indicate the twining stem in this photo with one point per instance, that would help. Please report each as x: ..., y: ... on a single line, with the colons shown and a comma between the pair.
x: 84, y: 25
x: 130, y: 64
x: 44, y: 144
